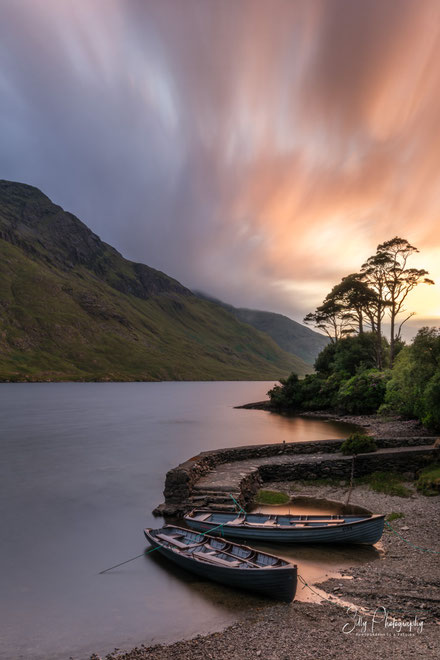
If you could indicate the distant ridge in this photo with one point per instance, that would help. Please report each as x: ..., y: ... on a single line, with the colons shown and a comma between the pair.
x: 72, y: 308
x: 288, y: 334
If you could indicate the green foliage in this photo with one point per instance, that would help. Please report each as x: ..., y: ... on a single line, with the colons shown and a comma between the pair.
x: 394, y: 515
x: 363, y: 393
x: 271, y: 497
x: 414, y: 387
x: 428, y: 482
x: 348, y: 355
x: 288, y: 394
x: 311, y: 393
x: 390, y: 483
x: 358, y: 443
x: 72, y: 308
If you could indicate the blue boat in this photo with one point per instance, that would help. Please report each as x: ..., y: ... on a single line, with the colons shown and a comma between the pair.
x: 286, y: 528
x: 226, y: 562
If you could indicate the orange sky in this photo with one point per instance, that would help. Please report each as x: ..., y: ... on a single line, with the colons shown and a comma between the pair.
x: 258, y: 150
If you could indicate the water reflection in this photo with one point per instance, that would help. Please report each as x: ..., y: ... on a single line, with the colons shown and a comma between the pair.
x: 309, y: 427
x: 83, y: 465
x: 316, y: 563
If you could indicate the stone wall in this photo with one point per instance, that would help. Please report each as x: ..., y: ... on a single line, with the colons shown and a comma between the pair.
x: 400, y: 461
x: 180, y: 481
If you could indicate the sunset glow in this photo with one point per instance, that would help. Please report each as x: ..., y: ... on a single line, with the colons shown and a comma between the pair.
x: 259, y: 160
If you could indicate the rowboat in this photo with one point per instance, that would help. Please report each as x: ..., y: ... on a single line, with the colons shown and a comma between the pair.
x: 226, y: 562
x: 286, y: 528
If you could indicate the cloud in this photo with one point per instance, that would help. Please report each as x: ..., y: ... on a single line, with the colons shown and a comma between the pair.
x: 259, y: 150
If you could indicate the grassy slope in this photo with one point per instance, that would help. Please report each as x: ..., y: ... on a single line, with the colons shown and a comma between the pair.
x: 72, y: 325
x: 288, y: 334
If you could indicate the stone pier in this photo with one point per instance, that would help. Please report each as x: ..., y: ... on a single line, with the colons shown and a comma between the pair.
x: 210, y: 478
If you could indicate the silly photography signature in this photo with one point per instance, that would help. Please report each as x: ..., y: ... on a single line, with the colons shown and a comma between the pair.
x: 380, y: 623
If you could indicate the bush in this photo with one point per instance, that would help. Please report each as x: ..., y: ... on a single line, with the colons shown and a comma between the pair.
x: 358, y: 443
x: 349, y: 355
x: 320, y: 393
x: 414, y: 389
x: 363, y: 393
x: 288, y: 394
x: 430, y: 413
x: 428, y: 482
x: 311, y: 393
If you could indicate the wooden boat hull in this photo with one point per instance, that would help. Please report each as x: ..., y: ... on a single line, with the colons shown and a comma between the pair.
x: 367, y: 531
x: 276, y: 583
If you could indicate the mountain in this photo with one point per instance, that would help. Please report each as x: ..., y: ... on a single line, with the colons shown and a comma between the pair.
x: 288, y: 334
x: 72, y: 308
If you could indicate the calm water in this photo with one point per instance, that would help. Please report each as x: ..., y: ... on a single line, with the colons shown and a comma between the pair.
x: 83, y: 466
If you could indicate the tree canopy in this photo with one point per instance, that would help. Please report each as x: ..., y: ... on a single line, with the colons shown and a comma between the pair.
x: 362, y: 300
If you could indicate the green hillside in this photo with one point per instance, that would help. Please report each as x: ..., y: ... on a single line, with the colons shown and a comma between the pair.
x: 288, y: 334
x: 72, y: 308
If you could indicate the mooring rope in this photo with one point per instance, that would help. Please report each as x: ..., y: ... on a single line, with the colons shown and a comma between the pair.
x: 237, y: 504
x: 147, y: 552
x: 416, y: 547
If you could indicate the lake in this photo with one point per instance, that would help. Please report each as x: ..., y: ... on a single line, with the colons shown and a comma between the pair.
x: 83, y: 466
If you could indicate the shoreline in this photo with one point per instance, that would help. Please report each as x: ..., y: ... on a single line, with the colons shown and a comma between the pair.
x: 375, y: 425
x: 406, y: 582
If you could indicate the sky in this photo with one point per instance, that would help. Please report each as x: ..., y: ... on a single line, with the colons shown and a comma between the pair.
x: 257, y: 150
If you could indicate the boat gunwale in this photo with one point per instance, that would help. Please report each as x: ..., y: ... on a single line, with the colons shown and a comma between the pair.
x: 277, y: 526
x: 180, y: 552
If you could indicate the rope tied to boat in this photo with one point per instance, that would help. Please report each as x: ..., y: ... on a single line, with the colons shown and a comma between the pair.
x: 237, y: 504
x: 416, y: 547
x: 147, y: 552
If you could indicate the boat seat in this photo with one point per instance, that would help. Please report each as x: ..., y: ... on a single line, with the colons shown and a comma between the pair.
x: 202, y: 516
x: 330, y: 523
x: 237, y: 521
x: 215, y: 560
x: 269, y: 522
x: 174, y: 541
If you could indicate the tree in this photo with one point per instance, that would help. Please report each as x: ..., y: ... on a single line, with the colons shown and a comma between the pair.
x: 356, y: 299
x: 374, y: 272
x: 399, y: 281
x: 362, y: 299
x: 329, y: 317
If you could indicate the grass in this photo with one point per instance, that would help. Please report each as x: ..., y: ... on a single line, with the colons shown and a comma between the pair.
x: 271, y: 497
x: 394, y: 515
x: 428, y: 482
x: 389, y: 483
x: 72, y: 325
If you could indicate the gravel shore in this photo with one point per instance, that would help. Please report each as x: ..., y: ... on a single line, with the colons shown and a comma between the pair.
x: 378, y: 426
x: 405, y: 584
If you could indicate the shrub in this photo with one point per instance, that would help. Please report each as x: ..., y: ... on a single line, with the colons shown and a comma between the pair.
x: 431, y: 403
x: 358, y: 443
x: 363, y: 393
x: 428, y: 482
x: 288, y: 394
x: 349, y: 355
x: 414, y: 389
